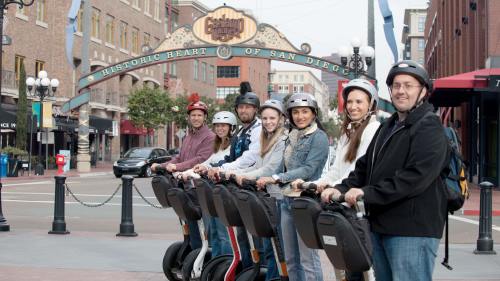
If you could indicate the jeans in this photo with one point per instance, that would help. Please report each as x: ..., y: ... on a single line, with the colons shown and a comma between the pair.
x: 403, y: 258
x: 269, y: 258
x: 194, y: 235
x: 302, y: 262
x: 219, y: 239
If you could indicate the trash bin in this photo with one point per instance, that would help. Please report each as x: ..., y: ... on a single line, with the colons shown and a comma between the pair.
x: 3, y: 165
x: 13, y: 170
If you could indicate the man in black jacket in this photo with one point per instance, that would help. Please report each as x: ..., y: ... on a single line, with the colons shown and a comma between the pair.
x: 399, y: 179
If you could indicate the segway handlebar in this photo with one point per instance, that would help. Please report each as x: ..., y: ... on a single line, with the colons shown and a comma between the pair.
x: 308, y: 186
x: 341, y: 198
x: 160, y: 170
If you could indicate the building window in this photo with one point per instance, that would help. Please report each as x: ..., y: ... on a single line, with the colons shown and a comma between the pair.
x: 156, y: 14
x: 228, y: 71
x: 20, y: 11
x: 223, y: 92
x: 195, y: 69
x: 301, y: 77
x: 110, y: 29
x: 146, y: 39
x: 421, y: 23
x: 301, y: 88
x: 283, y: 89
x: 147, y: 9
x: 135, y: 40
x: 173, y: 69
x: 421, y: 44
x: 79, y: 27
x: 17, y: 68
x: 123, y: 35
x: 211, y: 74
x: 295, y: 89
x: 204, y: 71
x: 135, y: 3
x: 96, y: 22
x: 41, y: 11
x: 174, y: 21
x: 39, y: 66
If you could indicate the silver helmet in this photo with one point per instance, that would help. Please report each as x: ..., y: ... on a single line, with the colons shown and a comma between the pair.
x: 364, y: 85
x: 302, y: 99
x: 274, y: 104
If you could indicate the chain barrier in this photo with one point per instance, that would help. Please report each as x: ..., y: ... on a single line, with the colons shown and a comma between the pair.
x: 146, y: 200
x: 92, y: 205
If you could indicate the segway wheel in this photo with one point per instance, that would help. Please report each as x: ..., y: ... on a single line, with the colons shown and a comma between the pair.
x: 248, y: 274
x: 170, y: 264
x: 187, y: 264
x: 211, y: 268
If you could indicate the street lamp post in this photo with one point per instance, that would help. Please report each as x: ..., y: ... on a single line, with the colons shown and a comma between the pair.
x: 3, y: 5
x: 40, y: 88
x: 354, y: 60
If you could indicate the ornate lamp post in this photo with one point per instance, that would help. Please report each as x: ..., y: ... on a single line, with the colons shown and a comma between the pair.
x: 353, y: 59
x: 3, y: 5
x: 40, y: 88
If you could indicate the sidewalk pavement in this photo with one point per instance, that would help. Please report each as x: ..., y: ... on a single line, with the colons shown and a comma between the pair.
x: 105, y: 168
x: 36, y: 255
x: 471, y: 206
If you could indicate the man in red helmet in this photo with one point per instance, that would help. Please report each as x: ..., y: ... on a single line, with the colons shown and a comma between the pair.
x: 198, y: 144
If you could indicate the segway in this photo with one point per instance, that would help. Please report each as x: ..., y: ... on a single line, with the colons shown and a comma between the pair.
x: 329, y: 227
x: 185, y: 205
x: 221, y: 268
x: 259, y: 214
x: 176, y: 252
x: 204, y: 192
x: 345, y: 235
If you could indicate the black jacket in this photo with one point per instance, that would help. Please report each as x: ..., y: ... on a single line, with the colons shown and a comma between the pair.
x: 400, y: 177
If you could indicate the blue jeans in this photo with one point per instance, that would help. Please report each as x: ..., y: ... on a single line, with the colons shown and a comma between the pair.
x: 302, y: 262
x: 269, y: 258
x: 219, y: 239
x: 403, y: 258
x: 194, y: 235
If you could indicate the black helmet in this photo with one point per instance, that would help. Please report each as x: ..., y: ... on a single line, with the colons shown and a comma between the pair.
x: 411, y: 68
x: 247, y: 96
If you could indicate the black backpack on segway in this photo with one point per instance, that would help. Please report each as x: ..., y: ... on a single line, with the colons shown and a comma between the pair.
x: 259, y: 213
x: 345, y: 236
x: 175, y: 254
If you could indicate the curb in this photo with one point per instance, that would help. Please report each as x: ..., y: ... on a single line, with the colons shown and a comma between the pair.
x: 68, y: 175
x: 476, y: 213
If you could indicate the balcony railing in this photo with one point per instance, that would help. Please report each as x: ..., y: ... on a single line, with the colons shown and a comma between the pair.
x: 9, y: 80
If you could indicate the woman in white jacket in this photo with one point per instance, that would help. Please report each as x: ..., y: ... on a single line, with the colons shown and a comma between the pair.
x: 358, y: 128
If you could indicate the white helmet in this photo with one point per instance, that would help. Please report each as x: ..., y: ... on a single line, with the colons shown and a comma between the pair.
x: 366, y: 86
x: 224, y: 117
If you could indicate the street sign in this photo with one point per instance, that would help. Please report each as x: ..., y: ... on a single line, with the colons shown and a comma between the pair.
x: 6, y: 40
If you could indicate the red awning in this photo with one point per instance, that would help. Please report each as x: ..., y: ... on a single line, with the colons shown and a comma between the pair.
x: 127, y: 128
x: 469, y: 80
x: 456, y: 89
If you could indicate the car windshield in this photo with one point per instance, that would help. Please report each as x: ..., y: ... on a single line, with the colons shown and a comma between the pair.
x: 138, y: 153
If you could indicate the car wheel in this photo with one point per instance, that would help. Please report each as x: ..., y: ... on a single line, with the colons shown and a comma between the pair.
x: 118, y: 175
x: 147, y: 172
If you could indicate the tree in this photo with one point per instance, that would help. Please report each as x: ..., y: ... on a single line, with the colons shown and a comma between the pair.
x: 228, y: 104
x: 149, y: 108
x: 22, y: 112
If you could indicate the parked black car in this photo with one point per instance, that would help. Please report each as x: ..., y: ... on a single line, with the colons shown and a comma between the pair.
x: 138, y: 161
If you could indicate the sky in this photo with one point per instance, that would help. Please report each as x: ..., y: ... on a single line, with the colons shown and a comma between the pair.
x: 327, y: 25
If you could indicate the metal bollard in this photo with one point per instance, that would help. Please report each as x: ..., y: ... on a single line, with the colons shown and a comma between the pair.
x: 4, y: 226
x: 59, y: 224
x: 127, y: 225
x: 485, y: 241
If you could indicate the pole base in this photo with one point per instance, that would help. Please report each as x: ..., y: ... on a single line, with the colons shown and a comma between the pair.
x: 4, y: 227
x: 127, y: 230
x: 59, y: 232
x: 59, y: 228
x: 492, y: 252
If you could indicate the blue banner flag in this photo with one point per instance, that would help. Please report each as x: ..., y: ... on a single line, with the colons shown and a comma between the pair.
x: 71, y: 29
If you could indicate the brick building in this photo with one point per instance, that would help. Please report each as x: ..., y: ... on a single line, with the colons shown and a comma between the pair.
x: 413, y: 35
x: 462, y: 54
x: 285, y: 82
